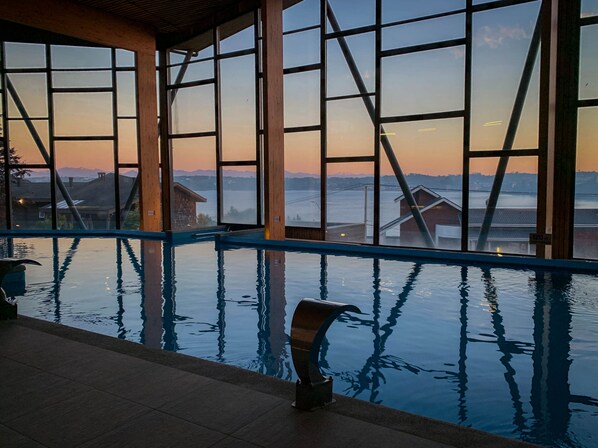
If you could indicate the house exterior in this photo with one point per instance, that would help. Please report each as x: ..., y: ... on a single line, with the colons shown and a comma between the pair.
x: 436, y: 211
x: 94, y: 201
x: 510, y: 230
x: 185, y: 206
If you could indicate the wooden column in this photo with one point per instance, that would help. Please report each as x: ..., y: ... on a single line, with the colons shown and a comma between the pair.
x: 149, y: 164
x: 273, y: 98
x: 559, y: 123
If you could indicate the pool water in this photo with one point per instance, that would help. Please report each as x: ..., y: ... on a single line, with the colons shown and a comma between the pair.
x: 510, y: 351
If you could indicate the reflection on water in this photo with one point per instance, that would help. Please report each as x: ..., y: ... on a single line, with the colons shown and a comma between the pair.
x: 508, y: 351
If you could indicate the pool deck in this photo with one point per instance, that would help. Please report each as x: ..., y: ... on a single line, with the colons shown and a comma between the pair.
x: 63, y: 387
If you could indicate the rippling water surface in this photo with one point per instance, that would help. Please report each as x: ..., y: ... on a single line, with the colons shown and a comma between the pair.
x: 514, y: 352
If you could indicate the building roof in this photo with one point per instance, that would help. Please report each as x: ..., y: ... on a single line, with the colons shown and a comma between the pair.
x: 97, y: 194
x: 34, y: 191
x: 402, y: 219
x: 192, y: 194
x: 416, y: 189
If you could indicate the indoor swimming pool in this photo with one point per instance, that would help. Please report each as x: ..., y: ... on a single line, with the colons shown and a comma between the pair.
x: 509, y: 351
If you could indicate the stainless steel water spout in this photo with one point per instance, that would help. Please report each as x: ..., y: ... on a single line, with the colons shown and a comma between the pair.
x: 311, y: 320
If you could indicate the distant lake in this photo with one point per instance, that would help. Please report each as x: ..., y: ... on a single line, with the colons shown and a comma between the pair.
x: 348, y: 205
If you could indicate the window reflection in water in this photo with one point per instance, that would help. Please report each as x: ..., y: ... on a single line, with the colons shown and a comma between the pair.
x: 498, y: 349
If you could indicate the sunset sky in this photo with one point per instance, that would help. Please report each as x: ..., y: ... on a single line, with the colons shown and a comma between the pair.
x: 431, y: 81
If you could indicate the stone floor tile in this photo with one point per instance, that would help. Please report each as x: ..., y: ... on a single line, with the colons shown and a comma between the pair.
x: 158, y: 386
x: 157, y: 430
x: 103, y: 370
x: 289, y: 427
x: 223, y: 407
x: 17, y: 339
x: 14, y: 370
x: 231, y: 442
x: 59, y: 353
x: 12, y: 439
x: 77, y: 420
x: 31, y: 393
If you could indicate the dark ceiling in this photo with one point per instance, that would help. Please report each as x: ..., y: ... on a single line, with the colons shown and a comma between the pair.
x: 175, y: 21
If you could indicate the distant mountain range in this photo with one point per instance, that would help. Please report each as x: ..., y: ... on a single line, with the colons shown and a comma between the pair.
x: 87, y: 173
x: 198, y: 180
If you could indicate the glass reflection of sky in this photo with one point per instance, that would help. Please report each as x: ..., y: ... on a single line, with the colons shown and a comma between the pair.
x: 502, y: 350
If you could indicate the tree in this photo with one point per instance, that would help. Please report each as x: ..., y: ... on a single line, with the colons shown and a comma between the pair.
x: 17, y: 173
x: 14, y: 159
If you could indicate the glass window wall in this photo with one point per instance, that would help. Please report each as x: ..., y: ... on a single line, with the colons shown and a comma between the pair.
x: 71, y: 124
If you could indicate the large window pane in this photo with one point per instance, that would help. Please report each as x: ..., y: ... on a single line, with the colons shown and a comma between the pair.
x: 195, y: 71
x: 83, y: 114
x: 350, y: 202
x: 238, y: 108
x: 31, y: 90
x: 192, y: 109
x: 126, y: 94
x: 20, y: 55
x: 302, y: 14
x: 21, y: 139
x: 125, y: 58
x: 31, y: 199
x: 302, y: 179
x: 350, y: 129
x: 394, y: 11
x: 237, y: 34
x: 501, y: 42
x: 586, y: 186
x: 589, y: 8
x: 239, y: 202
x: 340, y: 80
x: 129, y: 199
x: 423, y: 82
x: 418, y: 33
x: 353, y: 14
x: 87, y: 172
x: 81, y: 57
x: 302, y: 99
x: 127, y: 141
x: 301, y: 49
x: 588, y: 76
x: 194, y: 169
x: 82, y: 79
x: 515, y: 215
x: 430, y: 155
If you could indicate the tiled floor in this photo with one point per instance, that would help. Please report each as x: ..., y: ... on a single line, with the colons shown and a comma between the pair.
x: 58, y: 389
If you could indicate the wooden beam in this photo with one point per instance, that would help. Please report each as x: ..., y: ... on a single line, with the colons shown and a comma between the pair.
x: 274, y: 206
x: 149, y: 163
x: 561, y: 125
x: 81, y: 22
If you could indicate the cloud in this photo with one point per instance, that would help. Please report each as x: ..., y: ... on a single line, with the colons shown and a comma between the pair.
x: 495, y: 36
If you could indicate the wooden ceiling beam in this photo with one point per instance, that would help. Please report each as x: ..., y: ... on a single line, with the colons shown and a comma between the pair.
x: 80, y: 22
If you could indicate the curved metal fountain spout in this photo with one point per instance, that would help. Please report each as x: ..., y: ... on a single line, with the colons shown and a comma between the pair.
x: 7, y: 265
x: 311, y: 320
